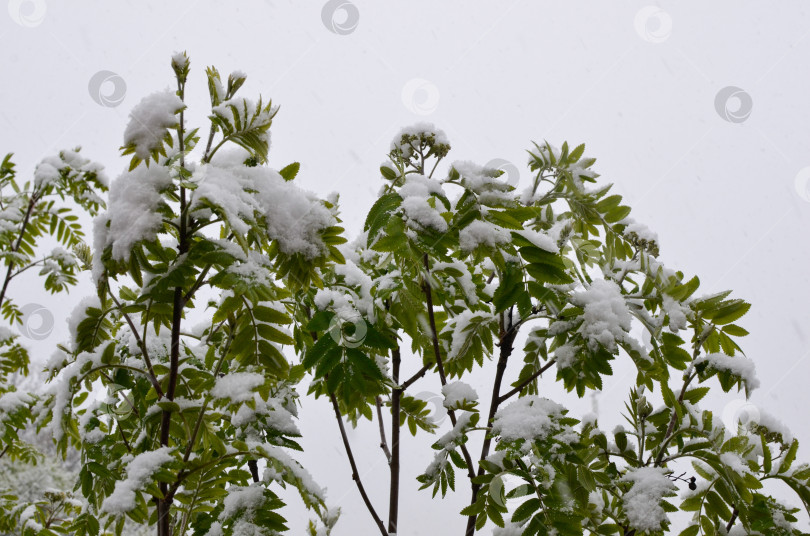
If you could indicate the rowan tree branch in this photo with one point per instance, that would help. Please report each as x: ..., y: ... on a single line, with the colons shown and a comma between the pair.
x: 355, y: 473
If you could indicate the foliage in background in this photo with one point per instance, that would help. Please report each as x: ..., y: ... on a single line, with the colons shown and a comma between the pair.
x: 42, y: 210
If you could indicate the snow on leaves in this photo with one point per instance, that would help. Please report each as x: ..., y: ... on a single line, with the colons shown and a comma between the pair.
x: 249, y: 198
x: 136, y: 211
x: 139, y: 471
x: 642, y: 502
x: 149, y: 124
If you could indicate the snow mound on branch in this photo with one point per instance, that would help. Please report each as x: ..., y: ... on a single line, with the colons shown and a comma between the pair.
x: 642, y: 504
x: 738, y: 366
x: 237, y: 386
x: 247, y: 499
x: 149, y: 121
x: 479, y: 233
x: 249, y: 195
x: 540, y: 239
x: 139, y: 471
x: 455, y: 393
x: 49, y: 169
x: 80, y: 313
x: 606, y: 319
x: 529, y: 418
x: 12, y: 401
x: 419, y: 211
x: 423, y: 130
x: 772, y: 424
x: 132, y: 214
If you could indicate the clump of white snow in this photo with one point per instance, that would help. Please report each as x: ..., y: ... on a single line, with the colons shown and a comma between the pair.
x: 12, y: 401
x: 246, y: 195
x: 529, y: 418
x: 640, y: 230
x: 461, y: 328
x: 482, y: 233
x: 149, y: 121
x: 408, y: 138
x: 237, y: 386
x: 642, y: 503
x: 457, y: 393
x: 772, y: 424
x: 132, y: 214
x: 606, y: 320
x: 677, y: 313
x: 739, y: 366
x: 49, y: 169
x: 80, y: 313
x: 540, y: 239
x: 420, y: 212
x: 243, y: 499
x: 139, y: 470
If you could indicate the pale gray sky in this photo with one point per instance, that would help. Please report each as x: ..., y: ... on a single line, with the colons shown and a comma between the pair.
x: 720, y: 174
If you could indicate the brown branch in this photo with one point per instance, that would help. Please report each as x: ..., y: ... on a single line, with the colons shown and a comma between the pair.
x: 396, y: 397
x: 671, y: 427
x: 410, y: 381
x: 164, y: 504
x: 142, y: 345
x: 522, y: 385
x: 734, y: 515
x: 31, y: 204
x: 383, y: 442
x: 355, y: 474
x: 507, y: 338
x: 438, y: 355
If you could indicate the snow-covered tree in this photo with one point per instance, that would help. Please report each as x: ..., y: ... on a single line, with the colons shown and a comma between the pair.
x: 451, y: 269
x: 38, y: 221
x: 197, y: 261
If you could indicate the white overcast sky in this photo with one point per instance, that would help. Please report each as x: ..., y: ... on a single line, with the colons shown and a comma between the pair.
x: 723, y: 181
